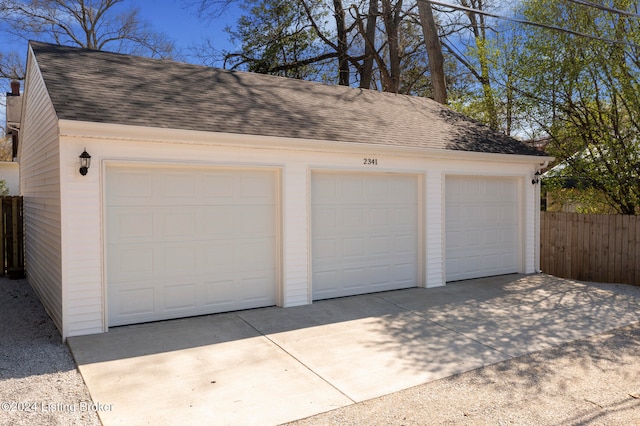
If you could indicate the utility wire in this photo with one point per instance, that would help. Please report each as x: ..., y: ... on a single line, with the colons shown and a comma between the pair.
x: 605, y: 8
x: 535, y: 24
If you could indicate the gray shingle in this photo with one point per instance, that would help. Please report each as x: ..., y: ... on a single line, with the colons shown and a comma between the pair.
x: 104, y: 87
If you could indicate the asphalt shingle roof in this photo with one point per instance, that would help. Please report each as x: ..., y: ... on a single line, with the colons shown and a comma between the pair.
x: 95, y: 86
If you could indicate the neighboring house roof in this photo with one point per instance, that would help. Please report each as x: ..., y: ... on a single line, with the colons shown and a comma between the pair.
x: 96, y: 86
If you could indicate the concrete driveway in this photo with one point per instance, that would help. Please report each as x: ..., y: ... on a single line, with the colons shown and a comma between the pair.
x: 273, y: 365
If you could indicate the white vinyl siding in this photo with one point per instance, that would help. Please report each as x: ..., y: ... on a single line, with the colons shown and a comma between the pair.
x: 295, y: 222
x: 365, y: 233
x: 39, y: 159
x: 482, y: 226
x: 188, y: 241
x: 433, y: 229
x: 81, y: 220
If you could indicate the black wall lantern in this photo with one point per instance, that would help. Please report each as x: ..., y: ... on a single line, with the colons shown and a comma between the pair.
x: 85, y: 162
x: 536, y: 178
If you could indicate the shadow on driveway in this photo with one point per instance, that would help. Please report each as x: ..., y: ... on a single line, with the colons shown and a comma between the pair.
x: 273, y: 365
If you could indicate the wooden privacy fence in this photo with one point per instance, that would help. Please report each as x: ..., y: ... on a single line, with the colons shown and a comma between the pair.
x: 588, y: 247
x: 12, y: 237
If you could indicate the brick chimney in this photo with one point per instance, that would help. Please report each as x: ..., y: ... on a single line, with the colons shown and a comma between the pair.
x: 14, y: 112
x: 15, y: 88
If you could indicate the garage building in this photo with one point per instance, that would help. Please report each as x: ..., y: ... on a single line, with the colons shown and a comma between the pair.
x: 212, y: 191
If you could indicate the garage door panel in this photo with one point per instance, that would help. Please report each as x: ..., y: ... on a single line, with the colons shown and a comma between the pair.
x: 129, y: 186
x: 177, y: 185
x: 379, y: 217
x: 177, y: 259
x: 179, y: 297
x: 256, y: 254
x: 216, y: 221
x: 455, y: 240
x: 325, y: 218
x: 490, y: 215
x: 381, y: 275
x: 353, y: 189
x: 353, y: 218
x: 402, y: 190
x: 325, y: 250
x: 217, y: 186
x: 363, y: 227
x: 134, y: 261
x: 403, y: 218
x: 326, y: 281
x: 493, y: 237
x: 353, y: 247
x: 256, y: 187
x: 481, y: 226
x: 205, y: 250
x: 257, y: 289
x: 354, y: 278
x: 136, y: 301
x: 218, y: 293
x: 405, y: 273
x: 129, y: 224
x: 177, y: 222
x: 218, y: 256
x: 379, y: 245
x: 255, y: 219
x: 405, y: 244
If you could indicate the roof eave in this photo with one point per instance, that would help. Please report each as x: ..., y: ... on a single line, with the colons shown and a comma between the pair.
x: 109, y: 131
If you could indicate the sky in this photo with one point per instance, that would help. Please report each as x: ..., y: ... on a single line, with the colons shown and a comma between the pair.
x: 182, y: 25
x: 171, y: 17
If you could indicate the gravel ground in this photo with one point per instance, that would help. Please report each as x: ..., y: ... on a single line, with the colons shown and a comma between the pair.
x: 594, y: 381
x: 39, y: 382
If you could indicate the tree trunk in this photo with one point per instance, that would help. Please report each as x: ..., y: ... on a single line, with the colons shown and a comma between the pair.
x: 390, y: 17
x: 434, y: 50
x: 479, y: 32
x: 343, y: 56
x: 489, y: 99
x: 366, y: 76
x: 510, y: 104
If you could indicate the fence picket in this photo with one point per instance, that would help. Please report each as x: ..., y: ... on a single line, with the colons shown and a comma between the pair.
x: 590, y: 247
x: 11, y: 237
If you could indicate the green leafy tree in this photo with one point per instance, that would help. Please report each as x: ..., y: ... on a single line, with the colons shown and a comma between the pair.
x: 586, y: 92
x: 276, y: 38
x: 470, y: 38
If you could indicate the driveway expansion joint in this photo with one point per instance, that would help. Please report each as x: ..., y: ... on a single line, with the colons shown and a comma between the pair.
x: 315, y: 373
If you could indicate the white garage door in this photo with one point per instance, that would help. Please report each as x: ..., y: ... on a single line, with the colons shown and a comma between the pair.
x: 365, y: 234
x: 189, y: 241
x: 481, y: 226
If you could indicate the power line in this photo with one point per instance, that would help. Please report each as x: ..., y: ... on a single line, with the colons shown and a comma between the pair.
x: 605, y: 8
x: 534, y: 24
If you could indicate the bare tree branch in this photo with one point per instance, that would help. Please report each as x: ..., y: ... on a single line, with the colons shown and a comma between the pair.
x: 92, y: 24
